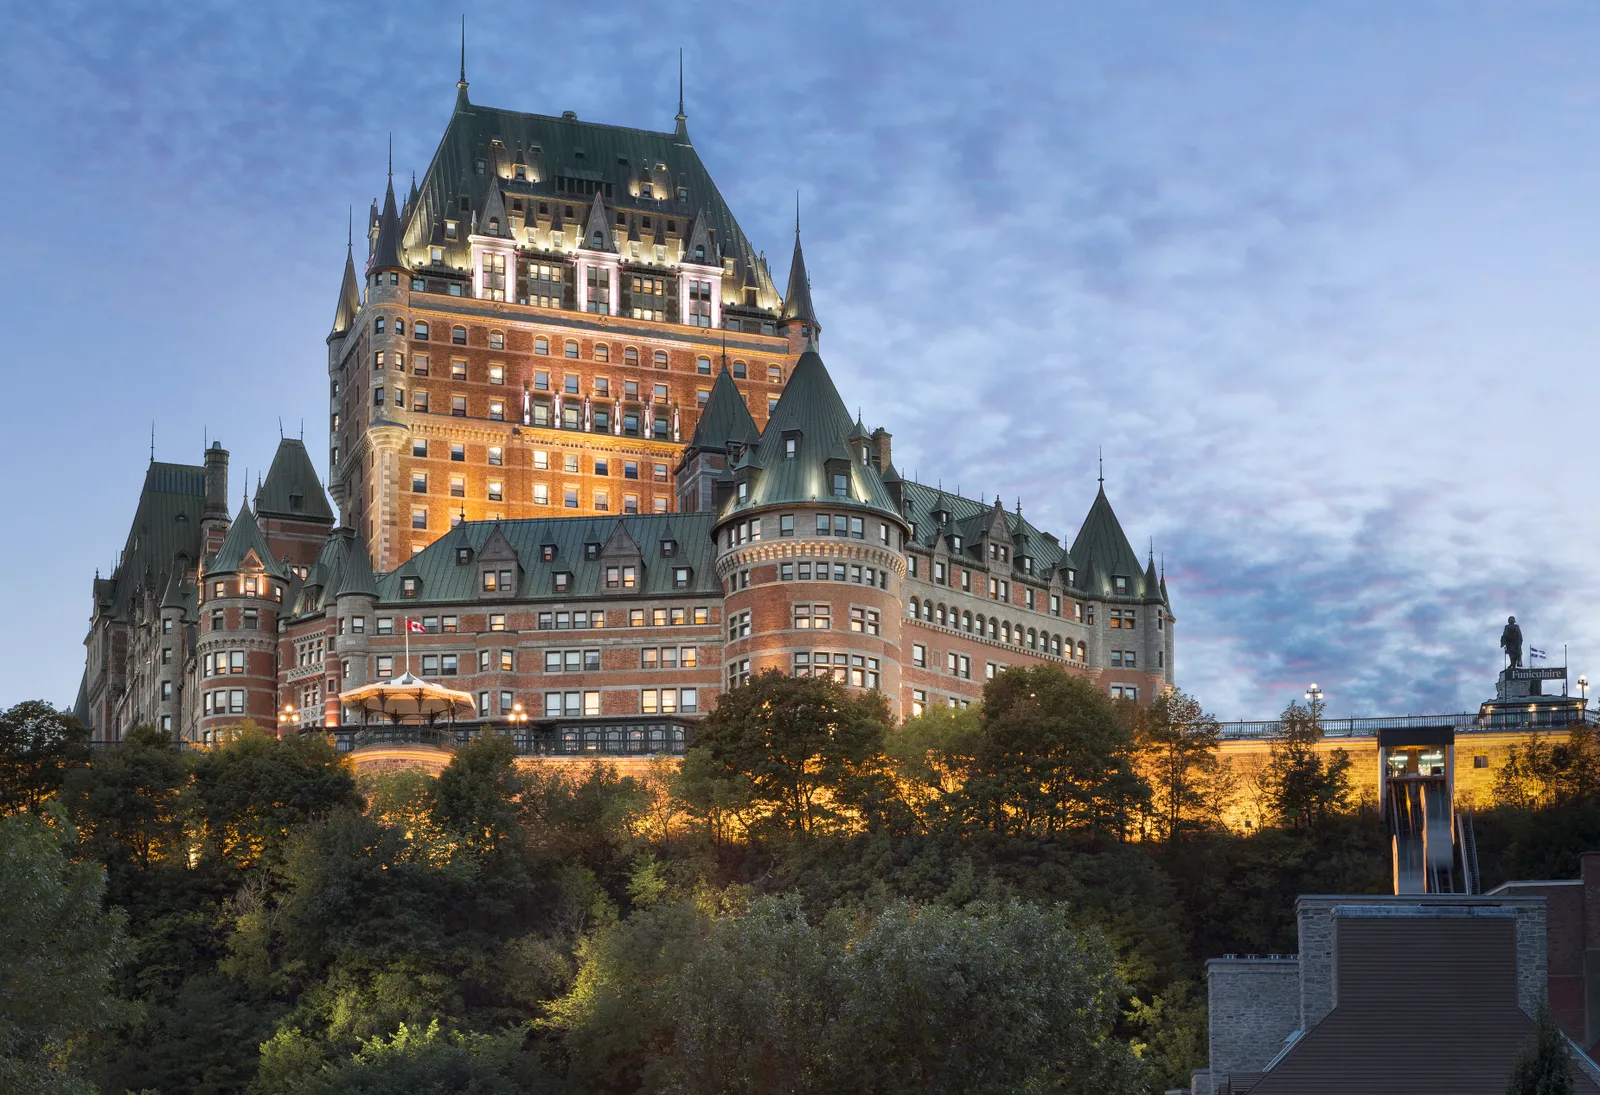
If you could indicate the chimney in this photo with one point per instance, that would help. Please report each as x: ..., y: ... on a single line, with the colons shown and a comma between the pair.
x: 214, y: 522
x: 880, y: 447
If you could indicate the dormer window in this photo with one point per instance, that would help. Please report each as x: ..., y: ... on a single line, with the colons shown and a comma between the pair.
x: 409, y: 586
x: 841, y: 485
x: 450, y: 230
x: 463, y: 555
x: 561, y: 582
x: 249, y: 587
x: 744, y: 490
x: 1072, y: 577
x: 700, y: 254
x: 547, y: 552
x: 955, y: 543
x: 669, y: 548
x: 681, y: 577
x: 591, y: 551
x: 1119, y: 584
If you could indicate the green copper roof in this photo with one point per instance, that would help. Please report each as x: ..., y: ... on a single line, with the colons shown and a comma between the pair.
x: 969, y: 518
x: 812, y: 414
x: 344, y: 314
x: 165, y: 525
x: 1104, y: 552
x: 444, y: 579
x: 797, y: 304
x: 244, y: 537
x: 292, y: 488
x: 356, y: 577
x: 386, y: 252
x: 725, y: 418
x: 567, y: 163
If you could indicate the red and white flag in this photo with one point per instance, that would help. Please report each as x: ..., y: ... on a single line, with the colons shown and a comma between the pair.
x: 415, y: 626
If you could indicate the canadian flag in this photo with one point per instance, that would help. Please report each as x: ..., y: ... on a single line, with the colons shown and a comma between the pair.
x: 415, y: 626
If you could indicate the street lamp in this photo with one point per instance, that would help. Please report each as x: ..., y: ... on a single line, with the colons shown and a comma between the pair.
x: 1313, y: 694
x: 1583, y: 688
x: 518, y: 716
x: 288, y: 716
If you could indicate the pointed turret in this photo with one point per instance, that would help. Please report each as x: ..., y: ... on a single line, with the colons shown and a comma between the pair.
x: 356, y: 577
x: 797, y: 306
x: 462, y: 103
x: 344, y: 313
x: 243, y: 543
x: 386, y: 251
x: 682, y: 130
x: 1152, y: 581
x: 724, y: 419
x: 698, y: 249
x: 411, y: 198
x: 1103, y: 552
x: 597, y: 230
x: 492, y: 220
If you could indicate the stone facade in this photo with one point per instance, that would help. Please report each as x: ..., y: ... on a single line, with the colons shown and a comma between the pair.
x: 1253, y: 1004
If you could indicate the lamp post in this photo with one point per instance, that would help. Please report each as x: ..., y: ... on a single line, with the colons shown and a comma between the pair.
x: 1313, y: 694
x: 1583, y: 688
x: 288, y: 716
x: 518, y: 719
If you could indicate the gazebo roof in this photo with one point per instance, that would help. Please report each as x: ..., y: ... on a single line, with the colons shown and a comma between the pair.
x: 409, y: 696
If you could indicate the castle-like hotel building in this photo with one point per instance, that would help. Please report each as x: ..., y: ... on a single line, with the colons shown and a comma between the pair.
x: 590, y: 468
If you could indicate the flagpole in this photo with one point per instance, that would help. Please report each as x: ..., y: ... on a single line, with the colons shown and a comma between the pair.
x: 408, y: 644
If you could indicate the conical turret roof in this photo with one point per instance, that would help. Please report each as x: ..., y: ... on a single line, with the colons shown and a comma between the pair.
x: 243, y: 540
x: 725, y: 418
x: 811, y: 413
x: 344, y: 313
x: 597, y: 229
x: 386, y: 252
x: 1102, y: 549
x: 797, y: 306
x: 356, y: 576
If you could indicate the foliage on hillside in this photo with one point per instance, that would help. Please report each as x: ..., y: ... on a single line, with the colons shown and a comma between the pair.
x: 1013, y: 897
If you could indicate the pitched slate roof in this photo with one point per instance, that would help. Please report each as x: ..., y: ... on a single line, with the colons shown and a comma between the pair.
x: 344, y: 313
x: 810, y: 407
x: 1102, y: 551
x: 386, y: 252
x: 970, y: 517
x: 445, y: 580
x: 165, y: 524
x: 292, y: 488
x: 725, y: 418
x: 567, y: 161
x: 244, y: 537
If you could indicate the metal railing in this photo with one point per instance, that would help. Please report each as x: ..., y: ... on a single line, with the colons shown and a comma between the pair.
x: 1552, y: 718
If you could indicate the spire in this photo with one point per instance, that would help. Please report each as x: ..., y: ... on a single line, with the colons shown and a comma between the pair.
x: 682, y: 130
x: 462, y: 103
x: 725, y: 418
x: 492, y: 221
x: 386, y: 252
x: 411, y: 199
x: 1102, y: 549
x: 597, y: 225
x: 349, y: 303
x: 797, y: 307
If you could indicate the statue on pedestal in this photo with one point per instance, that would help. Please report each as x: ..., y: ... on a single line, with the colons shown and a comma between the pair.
x: 1511, y: 642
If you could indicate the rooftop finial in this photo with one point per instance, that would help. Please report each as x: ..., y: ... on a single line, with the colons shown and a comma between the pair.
x: 152, y: 441
x: 391, y: 159
x: 349, y: 228
x: 462, y: 82
x: 682, y: 117
x: 1102, y: 465
x: 797, y: 213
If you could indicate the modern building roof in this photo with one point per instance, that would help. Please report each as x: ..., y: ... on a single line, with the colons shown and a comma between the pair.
x: 811, y: 414
x: 445, y: 579
x: 292, y: 489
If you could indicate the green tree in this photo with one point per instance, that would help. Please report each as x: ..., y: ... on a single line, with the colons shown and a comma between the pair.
x: 38, y: 745
x: 475, y: 797
x: 411, y: 1062
x: 793, y: 755
x: 1054, y: 758
x: 128, y: 804
x: 1304, y: 787
x: 253, y: 791
x: 1178, y: 754
x: 56, y: 958
x: 1543, y: 1066
x: 1541, y: 772
x: 932, y: 756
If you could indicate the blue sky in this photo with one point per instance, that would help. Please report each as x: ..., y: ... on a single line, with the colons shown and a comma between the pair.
x: 1321, y: 279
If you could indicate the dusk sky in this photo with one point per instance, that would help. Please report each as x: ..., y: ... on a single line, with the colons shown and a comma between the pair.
x: 1322, y: 280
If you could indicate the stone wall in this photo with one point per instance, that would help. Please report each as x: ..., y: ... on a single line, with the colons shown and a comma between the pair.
x: 1254, y: 1005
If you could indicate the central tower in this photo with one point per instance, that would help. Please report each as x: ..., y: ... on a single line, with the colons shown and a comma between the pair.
x: 538, y: 325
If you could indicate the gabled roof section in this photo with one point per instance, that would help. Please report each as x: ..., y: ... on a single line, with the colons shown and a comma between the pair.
x: 700, y: 240
x: 621, y: 542
x: 292, y: 489
x: 244, y: 541
x: 1103, y: 549
x: 492, y: 219
x: 969, y: 517
x: 344, y: 313
x: 386, y: 252
x: 811, y: 412
x: 497, y: 548
x: 726, y: 418
x: 166, y: 523
x: 443, y: 581
x: 598, y: 225
x: 797, y: 306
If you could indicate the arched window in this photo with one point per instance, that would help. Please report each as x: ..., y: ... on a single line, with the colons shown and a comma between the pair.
x: 602, y: 352
x: 630, y: 356
x: 1005, y: 632
x: 913, y: 608
x: 1083, y: 653
x: 458, y: 335
x: 699, y: 254
x: 994, y: 628
x: 927, y: 610
x: 1033, y: 639
x: 497, y: 340
x: 377, y: 326
x: 494, y: 226
x: 541, y: 345
x: 599, y: 241
x: 966, y: 621
x: 399, y: 326
x: 939, y: 616
x: 738, y: 370
x: 571, y: 348
x: 661, y: 359
x: 1055, y: 645
x: 420, y: 331
x: 702, y: 365
x: 775, y: 374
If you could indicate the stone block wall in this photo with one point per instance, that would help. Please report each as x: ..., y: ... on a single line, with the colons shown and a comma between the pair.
x: 1254, y: 1005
